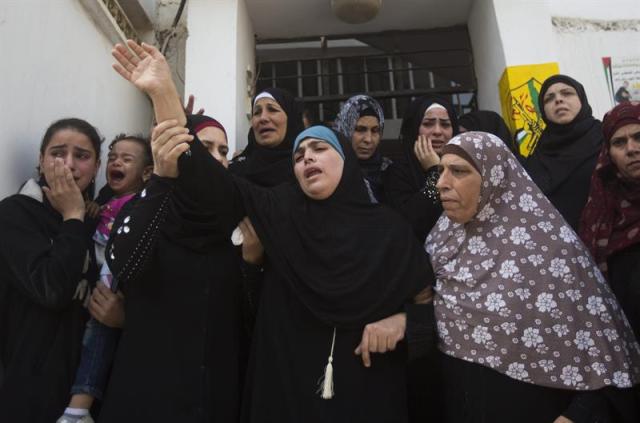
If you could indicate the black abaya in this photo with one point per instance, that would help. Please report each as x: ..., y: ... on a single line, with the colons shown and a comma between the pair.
x: 46, y: 271
x: 311, y: 286
x: 178, y: 358
x: 566, y: 155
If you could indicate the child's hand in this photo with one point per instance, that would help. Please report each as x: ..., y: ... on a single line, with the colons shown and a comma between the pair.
x: 107, y: 307
x: 93, y: 209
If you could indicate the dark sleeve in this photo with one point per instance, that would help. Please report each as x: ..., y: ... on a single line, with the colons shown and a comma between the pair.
x: 206, y: 184
x: 252, y: 276
x: 203, y: 186
x: 421, y: 332
x: 421, y: 208
x: 607, y: 405
x: 135, y: 231
x: 47, y: 270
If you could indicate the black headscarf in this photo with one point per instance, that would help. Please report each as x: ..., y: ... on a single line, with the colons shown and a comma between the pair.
x: 270, y: 166
x: 322, y: 248
x: 186, y: 223
x: 563, y: 148
x: 488, y: 121
x: 409, y: 132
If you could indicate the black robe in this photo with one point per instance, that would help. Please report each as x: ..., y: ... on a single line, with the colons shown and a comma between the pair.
x: 178, y: 359
x: 566, y: 155
x: 292, y: 337
x: 410, y: 189
x: 46, y: 270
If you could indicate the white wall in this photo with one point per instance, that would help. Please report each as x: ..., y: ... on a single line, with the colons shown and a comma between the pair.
x: 581, y: 48
x: 56, y: 64
x: 519, y: 32
x: 507, y: 33
x: 488, y: 54
x: 596, y: 9
x: 526, y: 32
x: 245, y: 60
x: 219, y: 49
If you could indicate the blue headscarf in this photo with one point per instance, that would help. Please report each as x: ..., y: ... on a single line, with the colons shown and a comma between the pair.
x: 321, y: 133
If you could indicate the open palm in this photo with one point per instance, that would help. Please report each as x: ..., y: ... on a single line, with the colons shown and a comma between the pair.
x: 142, y: 65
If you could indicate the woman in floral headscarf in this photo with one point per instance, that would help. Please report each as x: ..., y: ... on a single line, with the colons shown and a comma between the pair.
x: 529, y: 328
x: 610, y: 224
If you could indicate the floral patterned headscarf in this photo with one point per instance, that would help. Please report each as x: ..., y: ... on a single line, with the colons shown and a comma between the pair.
x: 518, y: 292
x: 353, y: 109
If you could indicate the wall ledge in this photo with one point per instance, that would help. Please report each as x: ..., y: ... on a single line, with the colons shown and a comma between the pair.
x: 569, y: 25
x: 110, y: 19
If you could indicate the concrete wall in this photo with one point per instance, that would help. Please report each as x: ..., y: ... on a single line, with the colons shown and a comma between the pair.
x: 583, y: 33
x: 55, y: 64
x: 245, y: 74
x: 488, y: 54
x: 220, y: 47
x: 520, y: 32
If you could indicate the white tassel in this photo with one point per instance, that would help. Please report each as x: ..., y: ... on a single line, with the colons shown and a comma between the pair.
x: 327, y: 380
x: 327, y: 383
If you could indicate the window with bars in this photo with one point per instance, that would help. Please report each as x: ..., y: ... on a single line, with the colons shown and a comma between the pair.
x: 392, y: 79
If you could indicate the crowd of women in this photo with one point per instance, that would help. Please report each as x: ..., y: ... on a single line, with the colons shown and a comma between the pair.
x: 312, y: 279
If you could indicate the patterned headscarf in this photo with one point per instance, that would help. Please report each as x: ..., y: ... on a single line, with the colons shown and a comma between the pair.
x: 518, y: 292
x: 353, y: 109
x: 611, y: 219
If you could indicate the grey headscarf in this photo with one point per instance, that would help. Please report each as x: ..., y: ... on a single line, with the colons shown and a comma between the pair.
x: 352, y: 110
x: 517, y: 291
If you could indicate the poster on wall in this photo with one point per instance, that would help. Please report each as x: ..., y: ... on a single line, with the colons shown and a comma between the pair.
x: 519, y: 90
x: 623, y: 78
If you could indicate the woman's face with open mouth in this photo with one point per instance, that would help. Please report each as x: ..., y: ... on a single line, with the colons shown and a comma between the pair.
x: 318, y: 168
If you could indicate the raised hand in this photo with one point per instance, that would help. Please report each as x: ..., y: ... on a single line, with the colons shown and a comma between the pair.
x: 144, y: 66
x: 168, y: 141
x: 62, y: 191
x: 425, y: 153
x: 188, y: 108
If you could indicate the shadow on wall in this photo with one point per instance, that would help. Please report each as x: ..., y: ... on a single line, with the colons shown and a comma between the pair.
x: 22, y: 165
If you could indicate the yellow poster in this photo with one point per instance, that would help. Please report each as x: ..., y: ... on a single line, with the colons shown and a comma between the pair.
x: 519, y: 89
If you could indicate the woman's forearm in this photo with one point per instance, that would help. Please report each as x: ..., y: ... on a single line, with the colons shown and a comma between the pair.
x: 167, y: 105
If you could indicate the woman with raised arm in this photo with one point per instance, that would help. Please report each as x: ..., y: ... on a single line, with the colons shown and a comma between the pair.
x: 47, y: 268
x: 328, y: 300
x: 178, y: 358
